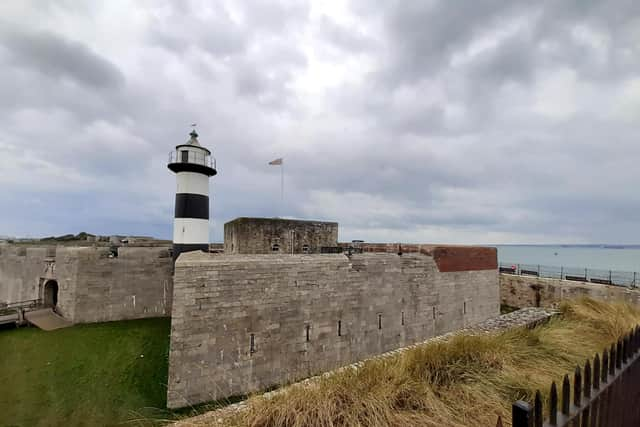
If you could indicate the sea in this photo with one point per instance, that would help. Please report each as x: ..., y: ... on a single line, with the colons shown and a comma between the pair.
x: 603, y: 257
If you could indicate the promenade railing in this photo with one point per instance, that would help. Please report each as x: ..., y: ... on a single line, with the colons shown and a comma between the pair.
x: 605, y: 393
x: 604, y: 277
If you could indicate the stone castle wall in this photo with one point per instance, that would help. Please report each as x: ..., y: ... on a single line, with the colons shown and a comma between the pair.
x: 134, y: 285
x: 21, y: 267
x: 92, y: 286
x: 261, y: 235
x: 531, y: 291
x: 244, y: 323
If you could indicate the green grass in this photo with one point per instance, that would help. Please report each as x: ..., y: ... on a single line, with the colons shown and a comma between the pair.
x: 86, y: 375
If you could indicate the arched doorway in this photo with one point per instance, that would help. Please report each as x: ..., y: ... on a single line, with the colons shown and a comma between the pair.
x: 51, y: 293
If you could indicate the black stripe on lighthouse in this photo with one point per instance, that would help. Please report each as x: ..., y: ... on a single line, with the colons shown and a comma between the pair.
x: 178, y: 248
x: 192, y: 206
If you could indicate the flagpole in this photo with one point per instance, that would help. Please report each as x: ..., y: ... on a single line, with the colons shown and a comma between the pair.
x: 280, y: 162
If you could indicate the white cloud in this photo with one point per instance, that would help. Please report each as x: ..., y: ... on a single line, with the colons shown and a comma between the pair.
x: 489, y: 122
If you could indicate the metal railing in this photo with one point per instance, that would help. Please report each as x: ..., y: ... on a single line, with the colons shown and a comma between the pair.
x: 192, y: 157
x: 604, y: 277
x: 32, y: 303
x: 606, y: 395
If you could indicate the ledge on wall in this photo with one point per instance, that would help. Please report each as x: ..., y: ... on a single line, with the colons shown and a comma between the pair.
x: 447, y: 258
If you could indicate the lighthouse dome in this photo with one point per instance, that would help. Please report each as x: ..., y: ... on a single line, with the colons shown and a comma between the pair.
x: 192, y: 157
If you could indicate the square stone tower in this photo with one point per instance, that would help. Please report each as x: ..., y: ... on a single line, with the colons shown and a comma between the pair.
x: 276, y: 235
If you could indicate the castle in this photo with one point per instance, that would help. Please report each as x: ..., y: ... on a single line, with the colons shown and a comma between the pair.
x: 282, y: 300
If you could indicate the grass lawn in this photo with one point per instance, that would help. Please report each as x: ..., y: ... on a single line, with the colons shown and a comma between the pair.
x: 86, y: 375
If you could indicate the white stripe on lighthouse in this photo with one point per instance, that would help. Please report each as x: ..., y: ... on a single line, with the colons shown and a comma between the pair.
x: 190, y: 231
x: 193, y: 183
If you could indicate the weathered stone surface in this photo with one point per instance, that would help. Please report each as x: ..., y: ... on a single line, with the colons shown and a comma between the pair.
x: 307, y: 314
x: 526, y: 317
x: 263, y: 235
x: 531, y: 291
x: 92, y: 286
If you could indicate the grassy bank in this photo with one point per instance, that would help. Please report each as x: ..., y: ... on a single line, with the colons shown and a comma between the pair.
x: 467, y: 381
x: 92, y: 375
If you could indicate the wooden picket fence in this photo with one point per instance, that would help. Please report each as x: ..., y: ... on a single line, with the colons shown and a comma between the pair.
x: 605, y: 392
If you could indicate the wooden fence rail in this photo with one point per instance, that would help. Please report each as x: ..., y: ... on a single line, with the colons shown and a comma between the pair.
x: 605, y: 392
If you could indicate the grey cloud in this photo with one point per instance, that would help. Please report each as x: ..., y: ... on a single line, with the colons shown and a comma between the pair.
x: 513, y: 60
x: 53, y: 55
x: 412, y: 141
x: 349, y: 39
x: 275, y: 16
x: 218, y: 35
x: 424, y: 35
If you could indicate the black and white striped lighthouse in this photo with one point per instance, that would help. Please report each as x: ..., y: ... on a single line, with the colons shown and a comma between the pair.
x: 193, y: 165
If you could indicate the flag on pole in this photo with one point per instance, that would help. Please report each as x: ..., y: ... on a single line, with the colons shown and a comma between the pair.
x: 280, y: 162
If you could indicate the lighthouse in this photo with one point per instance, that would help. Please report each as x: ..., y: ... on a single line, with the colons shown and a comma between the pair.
x: 193, y: 165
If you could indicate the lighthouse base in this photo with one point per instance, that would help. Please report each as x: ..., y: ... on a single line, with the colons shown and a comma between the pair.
x: 178, y: 248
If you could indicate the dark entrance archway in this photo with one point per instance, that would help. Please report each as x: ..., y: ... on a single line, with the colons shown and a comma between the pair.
x: 50, y: 293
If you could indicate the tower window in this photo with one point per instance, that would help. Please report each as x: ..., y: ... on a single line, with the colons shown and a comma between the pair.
x: 185, y: 156
x: 275, y: 247
x: 305, y: 249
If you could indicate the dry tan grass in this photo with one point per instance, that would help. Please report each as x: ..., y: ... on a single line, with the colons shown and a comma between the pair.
x: 467, y: 381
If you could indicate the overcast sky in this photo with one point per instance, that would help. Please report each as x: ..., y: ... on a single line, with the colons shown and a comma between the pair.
x: 421, y: 121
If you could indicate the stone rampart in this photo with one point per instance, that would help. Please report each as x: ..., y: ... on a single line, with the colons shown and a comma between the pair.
x: 93, y: 284
x: 531, y: 291
x: 242, y: 323
x: 20, y: 270
x: 134, y: 285
x: 278, y: 235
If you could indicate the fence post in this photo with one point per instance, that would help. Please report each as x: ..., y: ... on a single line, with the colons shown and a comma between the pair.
x: 518, y: 272
x: 553, y: 405
x: 521, y: 414
x: 561, y: 271
x: 610, y: 282
x: 538, y: 270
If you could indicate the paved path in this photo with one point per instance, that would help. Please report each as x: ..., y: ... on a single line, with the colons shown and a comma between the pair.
x: 46, y: 319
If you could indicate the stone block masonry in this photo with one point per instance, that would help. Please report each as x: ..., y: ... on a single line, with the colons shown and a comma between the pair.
x: 531, y: 291
x: 242, y: 323
x: 93, y: 284
x: 276, y: 235
x: 135, y: 285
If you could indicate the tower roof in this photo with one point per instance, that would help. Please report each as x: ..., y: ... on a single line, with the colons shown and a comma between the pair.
x: 193, y: 142
x: 194, y: 139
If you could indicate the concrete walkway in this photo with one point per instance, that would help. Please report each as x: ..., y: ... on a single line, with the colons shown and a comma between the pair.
x: 46, y: 319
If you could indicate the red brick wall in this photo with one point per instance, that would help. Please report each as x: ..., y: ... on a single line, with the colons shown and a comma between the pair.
x: 467, y: 258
